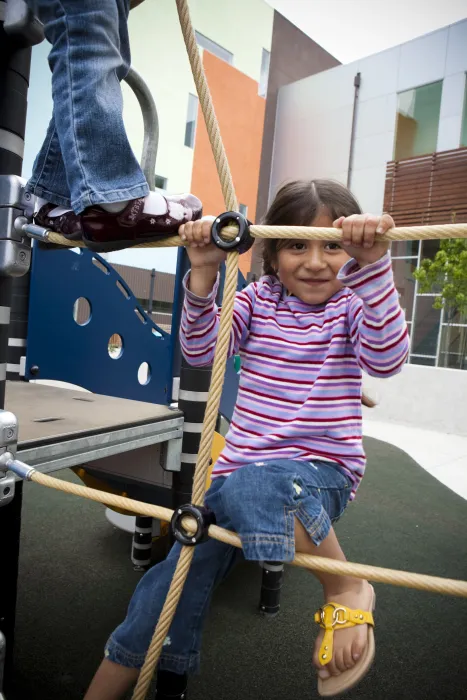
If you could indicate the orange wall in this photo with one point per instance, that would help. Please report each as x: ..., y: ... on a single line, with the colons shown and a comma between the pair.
x: 240, y: 112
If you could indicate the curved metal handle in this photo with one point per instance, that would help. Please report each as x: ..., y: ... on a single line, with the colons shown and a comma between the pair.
x: 151, y: 125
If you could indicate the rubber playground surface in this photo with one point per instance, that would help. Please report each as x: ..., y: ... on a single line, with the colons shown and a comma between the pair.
x: 76, y: 579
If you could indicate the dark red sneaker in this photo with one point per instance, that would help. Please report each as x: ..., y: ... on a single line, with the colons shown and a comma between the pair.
x: 105, y: 231
x: 68, y: 224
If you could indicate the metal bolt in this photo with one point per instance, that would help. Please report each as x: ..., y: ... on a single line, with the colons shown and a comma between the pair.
x: 22, y: 256
x: 10, y: 433
x: 27, y: 196
x: 34, y: 370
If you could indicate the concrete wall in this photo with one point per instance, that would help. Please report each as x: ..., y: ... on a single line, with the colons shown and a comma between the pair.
x: 314, y: 115
x: 242, y: 131
x: 293, y: 56
x: 421, y: 397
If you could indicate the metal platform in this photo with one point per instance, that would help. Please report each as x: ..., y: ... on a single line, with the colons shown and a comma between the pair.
x: 64, y: 428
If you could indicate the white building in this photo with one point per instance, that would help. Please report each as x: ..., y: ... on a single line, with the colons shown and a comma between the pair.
x: 412, y: 101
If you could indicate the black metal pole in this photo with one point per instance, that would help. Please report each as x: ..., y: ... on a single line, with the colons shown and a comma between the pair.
x: 357, y: 82
x: 271, y: 585
x: 15, y: 58
x: 151, y: 291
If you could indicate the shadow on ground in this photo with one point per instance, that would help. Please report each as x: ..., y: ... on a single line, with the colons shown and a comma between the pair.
x: 76, y: 580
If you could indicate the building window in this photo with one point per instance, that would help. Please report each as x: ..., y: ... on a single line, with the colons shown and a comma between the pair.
x: 264, y: 75
x: 425, y: 327
x: 243, y: 209
x: 213, y: 48
x: 464, y: 117
x: 160, y: 182
x: 191, y: 117
x: 417, y: 121
x: 453, y: 342
x: 423, y: 321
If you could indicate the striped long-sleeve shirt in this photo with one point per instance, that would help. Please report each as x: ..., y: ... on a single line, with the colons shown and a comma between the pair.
x: 300, y: 386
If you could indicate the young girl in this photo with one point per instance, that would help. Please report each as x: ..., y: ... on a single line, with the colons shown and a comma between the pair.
x: 293, y: 458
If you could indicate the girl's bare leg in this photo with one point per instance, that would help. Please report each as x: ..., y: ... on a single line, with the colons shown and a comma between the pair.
x: 350, y: 643
x: 111, y: 681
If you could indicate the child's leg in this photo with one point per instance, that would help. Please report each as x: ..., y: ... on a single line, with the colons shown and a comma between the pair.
x: 127, y: 646
x: 350, y: 643
x: 111, y: 681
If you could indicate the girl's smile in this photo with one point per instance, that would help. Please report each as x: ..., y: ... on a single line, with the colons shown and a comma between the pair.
x: 308, y: 269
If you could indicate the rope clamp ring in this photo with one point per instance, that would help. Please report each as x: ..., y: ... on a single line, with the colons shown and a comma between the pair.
x: 242, y: 241
x: 204, y: 518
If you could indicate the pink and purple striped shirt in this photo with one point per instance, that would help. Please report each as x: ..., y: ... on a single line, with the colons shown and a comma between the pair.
x: 300, y: 387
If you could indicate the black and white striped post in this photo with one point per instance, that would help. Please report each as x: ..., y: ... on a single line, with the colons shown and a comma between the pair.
x: 18, y: 32
x: 141, y: 547
x: 192, y: 399
x: 191, y: 395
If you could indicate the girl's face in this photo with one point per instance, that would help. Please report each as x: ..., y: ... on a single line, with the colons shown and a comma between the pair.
x: 308, y: 269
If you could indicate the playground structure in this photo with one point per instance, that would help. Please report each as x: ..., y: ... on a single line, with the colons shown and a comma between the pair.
x: 66, y: 428
x: 161, y: 426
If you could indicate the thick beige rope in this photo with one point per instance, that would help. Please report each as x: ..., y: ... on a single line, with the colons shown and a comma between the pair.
x: 407, y: 579
x: 207, y: 107
x: 202, y: 465
x: 399, y: 233
x: 220, y: 356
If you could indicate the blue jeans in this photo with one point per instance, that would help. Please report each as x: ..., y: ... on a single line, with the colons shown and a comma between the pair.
x: 260, y: 501
x: 86, y: 157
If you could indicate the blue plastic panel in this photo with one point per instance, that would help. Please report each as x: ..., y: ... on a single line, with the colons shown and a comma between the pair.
x: 78, y: 354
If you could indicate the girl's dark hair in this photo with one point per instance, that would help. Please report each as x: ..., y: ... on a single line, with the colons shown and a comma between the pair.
x: 298, y: 203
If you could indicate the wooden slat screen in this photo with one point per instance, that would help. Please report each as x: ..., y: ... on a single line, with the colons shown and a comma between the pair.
x: 428, y: 189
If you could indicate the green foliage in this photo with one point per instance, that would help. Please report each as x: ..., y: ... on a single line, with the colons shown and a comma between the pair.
x: 446, y: 275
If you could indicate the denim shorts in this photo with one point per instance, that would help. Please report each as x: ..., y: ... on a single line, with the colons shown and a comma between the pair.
x: 258, y: 501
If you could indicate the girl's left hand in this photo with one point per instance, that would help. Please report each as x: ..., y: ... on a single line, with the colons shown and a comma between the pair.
x: 360, y: 236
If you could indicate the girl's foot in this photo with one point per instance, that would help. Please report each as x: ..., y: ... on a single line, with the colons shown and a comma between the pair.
x: 123, y: 224
x: 349, y: 644
x: 141, y: 221
x: 59, y: 220
x: 171, y: 686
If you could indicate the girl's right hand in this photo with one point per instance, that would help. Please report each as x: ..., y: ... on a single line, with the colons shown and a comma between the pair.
x: 201, y: 250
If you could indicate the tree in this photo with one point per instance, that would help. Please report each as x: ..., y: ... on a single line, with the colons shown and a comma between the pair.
x: 446, y: 275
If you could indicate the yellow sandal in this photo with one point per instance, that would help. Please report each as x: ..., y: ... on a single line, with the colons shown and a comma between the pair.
x: 328, y: 617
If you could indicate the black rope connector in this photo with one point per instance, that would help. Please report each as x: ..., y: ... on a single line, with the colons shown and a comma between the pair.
x: 204, y: 518
x: 242, y: 241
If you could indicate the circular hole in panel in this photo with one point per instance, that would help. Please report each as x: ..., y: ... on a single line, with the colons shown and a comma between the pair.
x: 82, y: 311
x: 144, y: 373
x: 115, y: 346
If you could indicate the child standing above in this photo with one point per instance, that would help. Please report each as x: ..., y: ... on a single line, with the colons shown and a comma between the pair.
x: 293, y: 458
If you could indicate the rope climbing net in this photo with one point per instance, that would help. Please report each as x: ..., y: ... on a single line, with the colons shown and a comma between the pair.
x: 190, y: 526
